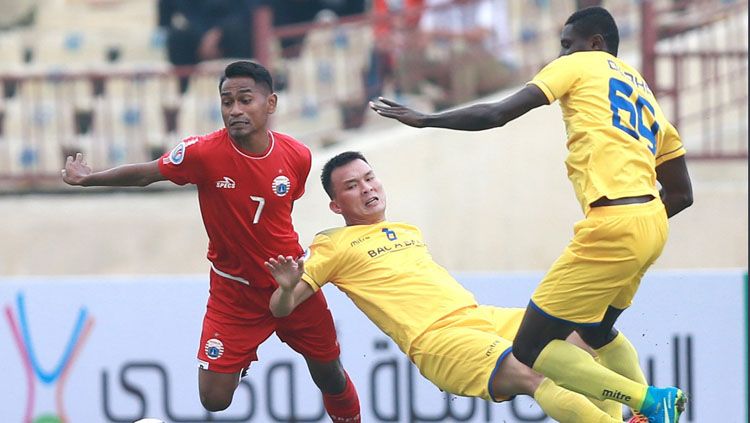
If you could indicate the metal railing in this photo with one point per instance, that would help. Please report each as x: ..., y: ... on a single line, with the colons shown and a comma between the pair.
x: 695, y: 59
x: 120, y: 114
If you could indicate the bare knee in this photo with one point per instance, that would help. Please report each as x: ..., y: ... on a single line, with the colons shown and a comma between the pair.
x: 213, y: 401
x: 216, y: 389
x: 515, y: 378
x: 329, y: 377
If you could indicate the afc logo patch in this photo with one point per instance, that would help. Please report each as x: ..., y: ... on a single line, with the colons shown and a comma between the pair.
x: 281, y: 185
x: 214, y: 348
x: 178, y: 154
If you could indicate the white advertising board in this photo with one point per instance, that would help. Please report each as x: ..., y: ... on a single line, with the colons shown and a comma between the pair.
x: 117, y: 349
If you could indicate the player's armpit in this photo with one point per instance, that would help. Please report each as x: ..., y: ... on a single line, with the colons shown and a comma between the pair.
x: 528, y: 98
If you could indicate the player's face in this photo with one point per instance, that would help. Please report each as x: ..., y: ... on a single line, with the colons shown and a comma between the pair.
x: 245, y: 106
x: 358, y: 194
x: 570, y: 42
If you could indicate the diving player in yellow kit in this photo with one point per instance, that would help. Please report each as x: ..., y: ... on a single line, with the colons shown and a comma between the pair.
x: 619, y: 145
x: 386, y: 270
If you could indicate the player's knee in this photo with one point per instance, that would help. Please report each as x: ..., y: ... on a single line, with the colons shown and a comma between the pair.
x: 215, y: 401
x: 514, y: 378
x: 329, y: 377
x: 332, y: 381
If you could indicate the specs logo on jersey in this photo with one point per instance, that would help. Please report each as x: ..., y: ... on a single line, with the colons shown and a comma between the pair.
x: 227, y: 182
x: 281, y: 185
x: 178, y: 154
x: 214, y: 348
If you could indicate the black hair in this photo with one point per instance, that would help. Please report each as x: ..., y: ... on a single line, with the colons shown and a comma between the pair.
x: 337, y: 161
x: 596, y: 20
x: 245, y: 68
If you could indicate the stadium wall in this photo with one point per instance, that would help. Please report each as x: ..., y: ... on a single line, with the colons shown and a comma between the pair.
x: 117, y: 349
x: 496, y: 200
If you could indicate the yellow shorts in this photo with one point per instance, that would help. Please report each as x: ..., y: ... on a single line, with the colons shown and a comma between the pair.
x: 603, y: 265
x: 461, y: 352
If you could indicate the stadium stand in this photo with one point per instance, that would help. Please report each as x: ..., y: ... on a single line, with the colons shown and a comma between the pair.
x: 92, y: 76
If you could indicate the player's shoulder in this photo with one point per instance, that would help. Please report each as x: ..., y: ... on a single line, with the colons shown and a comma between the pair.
x: 330, y: 232
x: 190, y: 146
x: 583, y: 59
x: 288, y: 142
x: 205, y: 140
x: 212, y: 137
x: 287, y: 139
x: 333, y: 236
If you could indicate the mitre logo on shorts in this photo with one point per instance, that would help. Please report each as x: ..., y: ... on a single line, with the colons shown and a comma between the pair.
x: 214, y: 348
x: 281, y: 185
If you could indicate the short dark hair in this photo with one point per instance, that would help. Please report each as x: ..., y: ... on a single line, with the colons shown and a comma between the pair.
x: 596, y: 20
x: 245, y: 68
x: 335, y: 162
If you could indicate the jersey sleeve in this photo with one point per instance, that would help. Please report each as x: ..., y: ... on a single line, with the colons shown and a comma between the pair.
x: 320, y: 263
x: 303, y: 170
x: 182, y: 164
x: 671, y: 146
x: 556, y: 79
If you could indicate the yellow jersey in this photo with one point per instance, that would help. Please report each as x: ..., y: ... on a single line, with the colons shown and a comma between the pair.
x: 617, y: 133
x: 389, y: 274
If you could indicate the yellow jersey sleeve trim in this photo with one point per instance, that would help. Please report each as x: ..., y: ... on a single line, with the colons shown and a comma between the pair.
x: 677, y: 152
x: 308, y: 280
x: 545, y: 89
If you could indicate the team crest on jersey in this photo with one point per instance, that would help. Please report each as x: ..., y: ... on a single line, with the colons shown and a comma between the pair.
x: 178, y: 154
x: 214, y: 348
x: 281, y: 185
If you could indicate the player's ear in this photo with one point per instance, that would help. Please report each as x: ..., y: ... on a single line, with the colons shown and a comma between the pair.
x: 334, y: 207
x: 272, y: 100
x: 596, y: 42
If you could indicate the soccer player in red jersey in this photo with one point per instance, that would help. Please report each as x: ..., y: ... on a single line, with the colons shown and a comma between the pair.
x: 248, y: 178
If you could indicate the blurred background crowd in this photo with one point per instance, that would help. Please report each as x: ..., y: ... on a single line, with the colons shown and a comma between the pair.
x: 122, y: 80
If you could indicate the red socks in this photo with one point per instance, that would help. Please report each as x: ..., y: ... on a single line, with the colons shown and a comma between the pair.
x: 343, y: 407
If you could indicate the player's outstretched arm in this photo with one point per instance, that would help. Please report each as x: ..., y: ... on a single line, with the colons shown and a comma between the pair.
x: 470, y: 118
x: 77, y: 172
x: 676, y: 188
x: 287, y: 271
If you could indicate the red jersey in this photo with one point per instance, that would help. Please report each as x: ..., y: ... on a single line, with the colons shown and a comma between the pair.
x: 245, y: 200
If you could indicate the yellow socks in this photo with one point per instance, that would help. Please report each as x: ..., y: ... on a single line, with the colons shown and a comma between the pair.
x: 568, y: 407
x: 573, y: 368
x: 620, y: 356
x: 613, y: 408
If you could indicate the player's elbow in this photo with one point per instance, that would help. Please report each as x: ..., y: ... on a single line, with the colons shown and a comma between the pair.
x: 279, y: 312
x: 683, y: 201
x: 687, y: 200
x: 146, y: 180
x: 678, y: 202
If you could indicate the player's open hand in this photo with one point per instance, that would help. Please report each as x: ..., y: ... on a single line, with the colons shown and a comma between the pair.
x: 75, y: 170
x: 393, y: 110
x: 286, y: 270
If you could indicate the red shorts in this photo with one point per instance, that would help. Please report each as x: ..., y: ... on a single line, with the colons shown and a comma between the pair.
x: 238, y: 320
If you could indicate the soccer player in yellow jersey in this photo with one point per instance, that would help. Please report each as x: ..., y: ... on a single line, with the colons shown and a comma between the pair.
x: 620, y: 144
x: 385, y: 268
